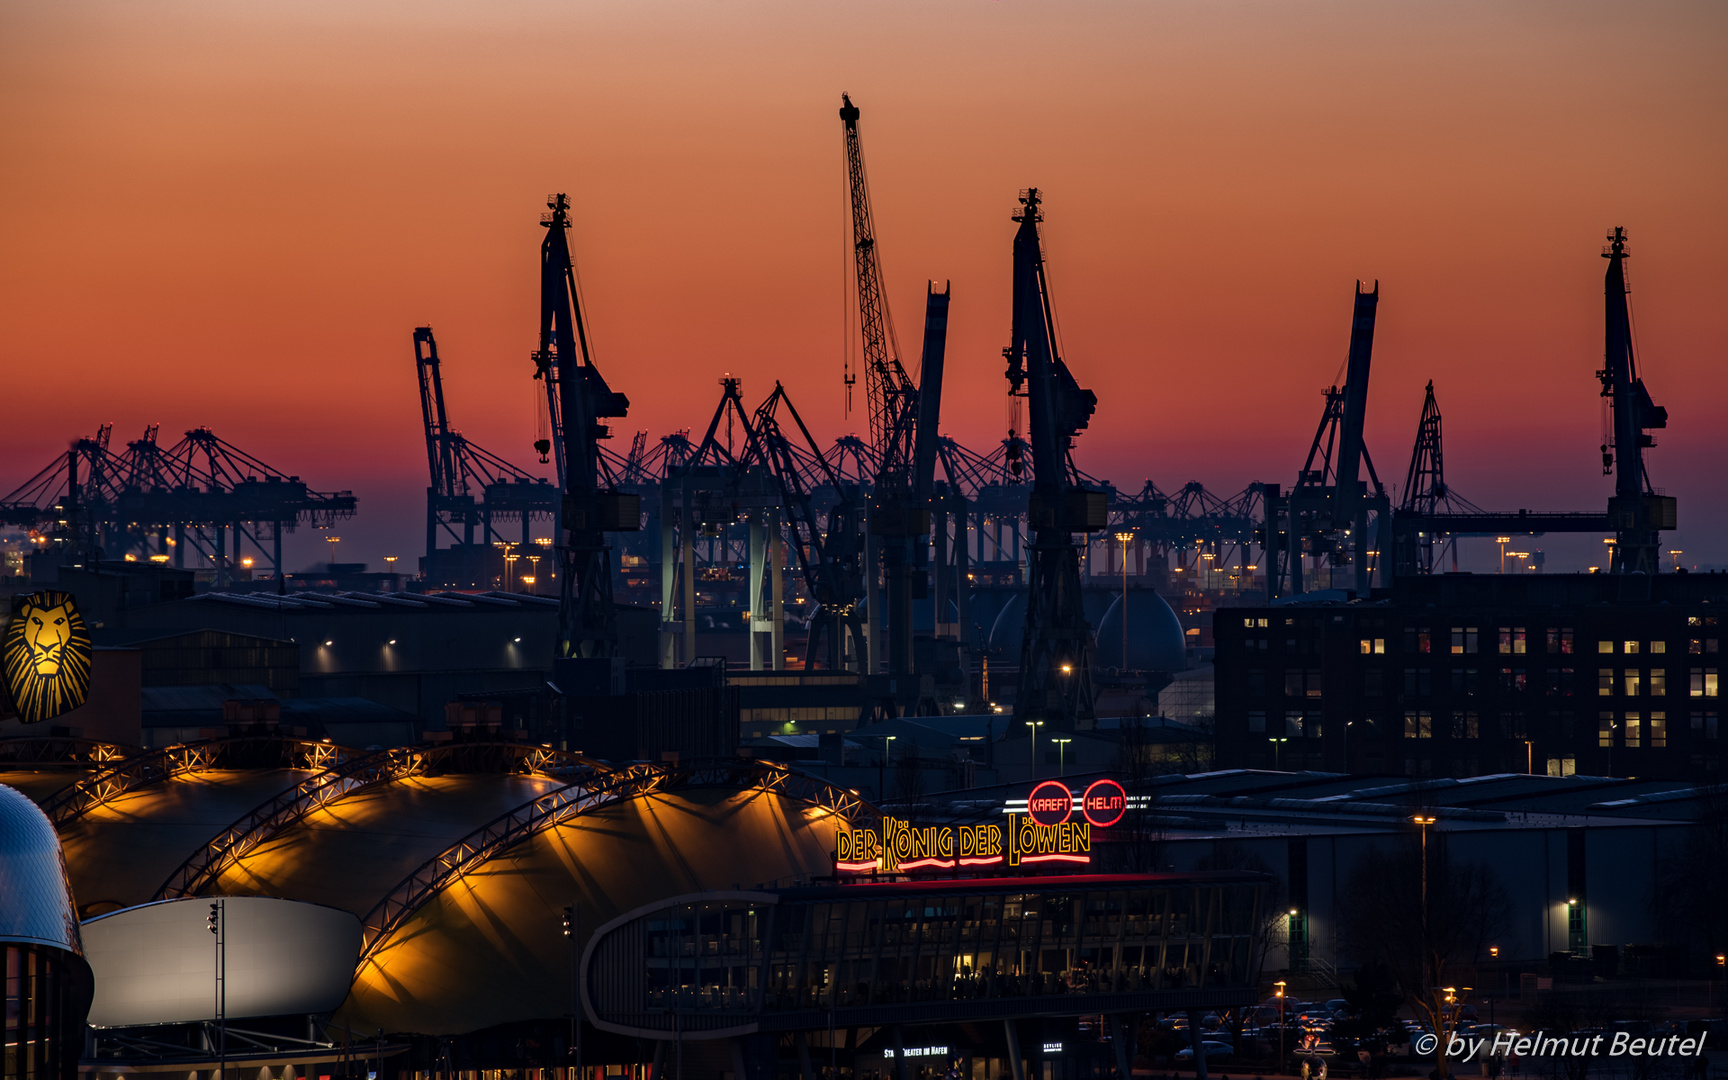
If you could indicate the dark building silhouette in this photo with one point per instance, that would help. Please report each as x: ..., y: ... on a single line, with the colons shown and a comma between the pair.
x: 1465, y: 675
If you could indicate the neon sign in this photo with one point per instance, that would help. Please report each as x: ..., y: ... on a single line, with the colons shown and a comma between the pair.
x: 1044, y: 834
x: 1104, y: 803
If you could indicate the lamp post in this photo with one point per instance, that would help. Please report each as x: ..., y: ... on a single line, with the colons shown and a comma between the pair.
x: 882, y: 766
x: 1123, y: 538
x: 1276, y: 740
x: 1034, y: 725
x: 1423, y: 822
x: 1061, y: 756
x: 1502, y: 541
x: 218, y: 928
x: 571, y: 927
x: 1280, y: 993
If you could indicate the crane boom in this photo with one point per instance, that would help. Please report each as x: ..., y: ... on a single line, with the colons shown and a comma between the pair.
x: 893, y: 397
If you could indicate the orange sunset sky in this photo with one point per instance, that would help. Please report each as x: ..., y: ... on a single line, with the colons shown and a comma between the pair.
x: 234, y: 213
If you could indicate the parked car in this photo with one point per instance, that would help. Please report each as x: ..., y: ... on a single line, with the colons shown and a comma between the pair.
x: 1213, y: 1048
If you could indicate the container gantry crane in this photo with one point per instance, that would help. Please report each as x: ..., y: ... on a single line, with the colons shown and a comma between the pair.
x: 459, y: 467
x: 578, y: 400
x: 1056, y: 651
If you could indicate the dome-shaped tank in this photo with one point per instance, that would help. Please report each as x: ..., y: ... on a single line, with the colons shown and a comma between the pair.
x: 1155, y: 640
x: 1009, y: 629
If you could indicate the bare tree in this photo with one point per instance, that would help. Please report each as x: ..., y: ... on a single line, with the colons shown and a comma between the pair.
x: 1691, y: 883
x: 1274, y: 928
x: 1381, y: 918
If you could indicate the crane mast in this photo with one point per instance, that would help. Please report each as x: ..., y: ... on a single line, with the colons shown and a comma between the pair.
x: 447, y: 493
x: 1057, y: 649
x: 893, y: 399
x: 579, y: 400
x: 898, y: 516
x: 1637, y: 512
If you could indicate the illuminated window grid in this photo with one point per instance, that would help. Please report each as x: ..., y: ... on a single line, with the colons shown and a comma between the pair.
x: 703, y: 958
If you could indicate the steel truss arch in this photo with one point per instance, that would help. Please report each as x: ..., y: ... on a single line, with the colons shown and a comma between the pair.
x: 350, y: 776
x: 159, y: 766
x: 582, y: 797
x: 62, y: 750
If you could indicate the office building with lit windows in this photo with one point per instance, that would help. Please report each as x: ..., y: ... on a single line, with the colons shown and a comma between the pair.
x: 1461, y: 675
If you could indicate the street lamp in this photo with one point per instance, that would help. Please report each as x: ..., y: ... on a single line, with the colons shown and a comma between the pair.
x: 332, y: 541
x: 1061, y: 756
x: 1276, y: 741
x: 882, y: 766
x: 1124, y: 537
x: 1502, y: 541
x: 1280, y: 994
x: 1423, y: 823
x: 1034, y: 725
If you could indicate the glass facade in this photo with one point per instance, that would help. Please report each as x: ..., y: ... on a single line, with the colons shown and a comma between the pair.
x: 47, y: 995
x: 982, y: 948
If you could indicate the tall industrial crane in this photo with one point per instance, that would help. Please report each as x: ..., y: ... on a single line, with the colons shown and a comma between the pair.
x: 578, y: 400
x: 899, y: 514
x: 458, y: 468
x: 1427, y: 500
x: 1328, y: 509
x: 1056, y: 652
x: 1638, y: 514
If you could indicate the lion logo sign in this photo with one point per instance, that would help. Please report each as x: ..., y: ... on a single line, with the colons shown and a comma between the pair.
x: 45, y: 657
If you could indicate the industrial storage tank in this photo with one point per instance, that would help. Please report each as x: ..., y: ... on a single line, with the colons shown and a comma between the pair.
x: 1155, y: 638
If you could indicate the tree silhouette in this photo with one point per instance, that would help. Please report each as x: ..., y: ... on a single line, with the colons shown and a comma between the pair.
x: 1381, y: 920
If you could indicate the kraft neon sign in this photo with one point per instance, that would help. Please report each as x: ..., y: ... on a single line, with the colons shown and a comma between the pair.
x: 1044, y: 834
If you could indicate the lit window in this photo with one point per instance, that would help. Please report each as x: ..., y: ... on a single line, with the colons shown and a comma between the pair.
x: 1605, y: 646
x: 1634, y: 729
x: 1605, y: 683
x: 1659, y: 683
x: 1658, y: 730
x: 1633, y: 683
x: 1704, y: 682
x: 1419, y: 725
x: 1605, y: 729
x: 1658, y: 646
x: 1631, y: 648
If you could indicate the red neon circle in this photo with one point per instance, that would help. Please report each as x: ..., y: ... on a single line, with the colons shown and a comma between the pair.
x: 1104, y: 803
x: 1050, y: 803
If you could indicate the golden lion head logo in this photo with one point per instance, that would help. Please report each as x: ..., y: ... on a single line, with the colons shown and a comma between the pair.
x: 45, y: 656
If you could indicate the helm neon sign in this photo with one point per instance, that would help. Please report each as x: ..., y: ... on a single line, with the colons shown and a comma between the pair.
x: 1104, y: 803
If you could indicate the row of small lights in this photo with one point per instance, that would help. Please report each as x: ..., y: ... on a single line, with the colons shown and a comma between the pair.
x: 331, y: 641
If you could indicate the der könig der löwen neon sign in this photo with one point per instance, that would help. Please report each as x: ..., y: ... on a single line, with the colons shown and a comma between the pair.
x: 1047, y: 833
